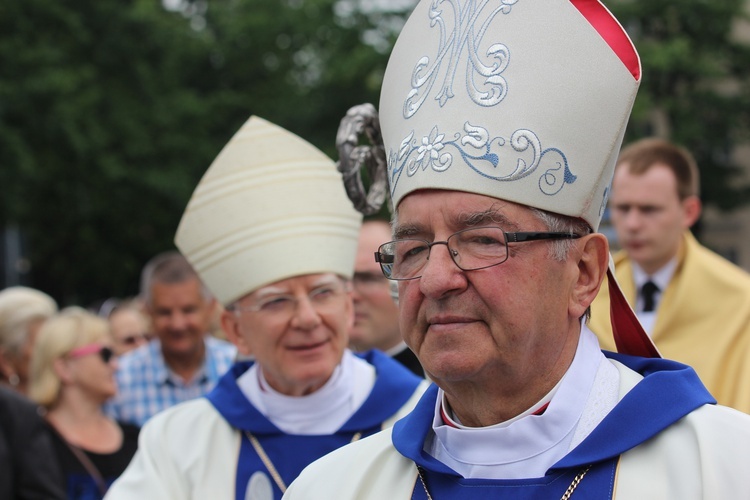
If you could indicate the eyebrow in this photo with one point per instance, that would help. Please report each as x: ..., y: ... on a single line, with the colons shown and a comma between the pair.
x: 407, y: 231
x: 489, y: 217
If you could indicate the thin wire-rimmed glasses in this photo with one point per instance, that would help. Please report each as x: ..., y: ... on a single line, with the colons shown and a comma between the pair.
x: 471, y: 249
x: 320, y: 297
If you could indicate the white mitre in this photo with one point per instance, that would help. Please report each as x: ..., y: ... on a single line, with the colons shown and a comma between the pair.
x: 271, y: 206
x: 522, y: 100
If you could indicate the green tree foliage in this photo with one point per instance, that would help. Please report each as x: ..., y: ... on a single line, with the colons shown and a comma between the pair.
x: 111, y: 111
x: 695, y: 89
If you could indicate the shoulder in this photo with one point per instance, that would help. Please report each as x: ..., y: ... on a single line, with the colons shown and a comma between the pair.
x: 184, y: 414
x: 186, y: 451
x: 15, y: 408
x: 724, y: 426
x: 20, y: 418
x: 704, y: 455
x: 185, y: 431
x: 716, y: 266
x: 351, y: 472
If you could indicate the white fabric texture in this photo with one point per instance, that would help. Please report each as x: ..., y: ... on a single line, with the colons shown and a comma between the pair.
x: 531, y: 444
x: 704, y: 456
x: 322, y: 412
x: 189, y: 452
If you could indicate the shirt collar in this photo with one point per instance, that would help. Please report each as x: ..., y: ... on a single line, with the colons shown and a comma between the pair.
x: 660, y: 278
x: 165, y: 376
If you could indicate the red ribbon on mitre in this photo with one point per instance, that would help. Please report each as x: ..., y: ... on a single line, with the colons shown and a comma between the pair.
x: 630, y: 337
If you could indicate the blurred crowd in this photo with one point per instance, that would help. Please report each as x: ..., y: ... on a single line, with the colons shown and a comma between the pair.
x: 61, y: 369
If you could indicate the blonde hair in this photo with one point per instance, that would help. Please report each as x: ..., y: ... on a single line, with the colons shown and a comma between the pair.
x: 19, y: 308
x: 73, y: 327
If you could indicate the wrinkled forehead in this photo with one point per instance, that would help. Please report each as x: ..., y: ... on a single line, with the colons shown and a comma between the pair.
x: 420, y: 211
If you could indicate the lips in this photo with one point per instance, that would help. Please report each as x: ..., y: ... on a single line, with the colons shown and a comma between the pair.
x: 448, y: 322
x: 307, y: 347
x: 633, y: 243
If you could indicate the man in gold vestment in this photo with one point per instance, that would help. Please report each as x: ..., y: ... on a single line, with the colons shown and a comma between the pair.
x: 694, y: 304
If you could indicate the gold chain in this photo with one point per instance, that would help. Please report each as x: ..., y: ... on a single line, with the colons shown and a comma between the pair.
x: 574, y: 484
x: 566, y: 495
x: 269, y: 464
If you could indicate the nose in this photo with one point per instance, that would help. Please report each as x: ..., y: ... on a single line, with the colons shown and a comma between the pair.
x: 305, y: 316
x: 441, y: 276
x: 178, y: 321
x: 631, y: 218
x: 356, y: 295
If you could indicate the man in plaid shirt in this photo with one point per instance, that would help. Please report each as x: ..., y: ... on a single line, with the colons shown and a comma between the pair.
x: 183, y: 362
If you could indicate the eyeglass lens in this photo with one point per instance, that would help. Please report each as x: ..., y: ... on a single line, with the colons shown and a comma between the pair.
x: 320, y: 297
x: 470, y: 249
x: 106, y: 354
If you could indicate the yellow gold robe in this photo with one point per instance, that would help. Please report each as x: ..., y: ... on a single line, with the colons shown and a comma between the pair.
x: 703, y: 319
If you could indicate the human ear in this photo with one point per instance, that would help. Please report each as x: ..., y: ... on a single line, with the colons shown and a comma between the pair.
x: 591, y: 271
x: 61, y: 369
x: 691, y: 208
x: 231, y: 326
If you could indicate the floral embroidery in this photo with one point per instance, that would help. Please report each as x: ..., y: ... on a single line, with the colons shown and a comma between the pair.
x: 482, y: 154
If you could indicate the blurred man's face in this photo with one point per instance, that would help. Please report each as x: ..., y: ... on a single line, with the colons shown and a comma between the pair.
x: 648, y: 215
x: 375, y: 311
x: 180, y: 315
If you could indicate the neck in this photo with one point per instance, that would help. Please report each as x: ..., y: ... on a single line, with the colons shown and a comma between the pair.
x: 75, y: 409
x: 185, y: 365
x: 81, y: 422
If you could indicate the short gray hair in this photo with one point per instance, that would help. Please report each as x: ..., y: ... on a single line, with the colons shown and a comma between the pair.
x: 557, y: 223
x: 168, y: 268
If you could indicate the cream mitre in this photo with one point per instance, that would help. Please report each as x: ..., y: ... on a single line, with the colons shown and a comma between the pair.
x: 271, y: 206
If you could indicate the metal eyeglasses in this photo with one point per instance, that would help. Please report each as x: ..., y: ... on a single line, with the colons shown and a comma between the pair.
x: 321, y: 297
x: 471, y: 249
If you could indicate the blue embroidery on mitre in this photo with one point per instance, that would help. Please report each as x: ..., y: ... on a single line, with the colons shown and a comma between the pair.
x: 481, y: 154
x: 470, y: 24
x: 605, y: 196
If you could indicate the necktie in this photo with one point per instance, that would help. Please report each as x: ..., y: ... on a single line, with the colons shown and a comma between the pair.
x: 648, y: 291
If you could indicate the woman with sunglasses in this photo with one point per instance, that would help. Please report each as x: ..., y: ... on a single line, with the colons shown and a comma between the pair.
x: 72, y: 375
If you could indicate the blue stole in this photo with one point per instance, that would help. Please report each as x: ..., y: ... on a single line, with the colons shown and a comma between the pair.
x: 668, y: 392
x: 394, y: 385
